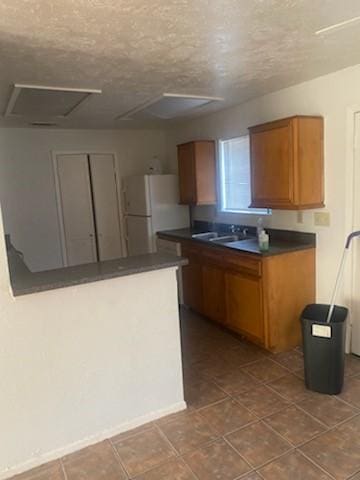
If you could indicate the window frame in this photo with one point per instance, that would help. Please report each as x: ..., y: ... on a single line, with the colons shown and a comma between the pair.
x: 220, y: 184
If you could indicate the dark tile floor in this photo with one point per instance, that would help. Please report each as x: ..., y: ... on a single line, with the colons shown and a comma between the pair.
x: 249, y: 417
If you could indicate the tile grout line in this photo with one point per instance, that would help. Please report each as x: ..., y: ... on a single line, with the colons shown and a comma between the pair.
x: 334, y: 427
x: 127, y: 433
x: 244, y: 475
x: 300, y: 444
x: 209, y: 443
x: 118, y: 457
x: 291, y: 449
x: 164, y: 437
x: 282, y: 395
x: 353, y: 476
x: 347, y: 403
x: 328, y: 427
x: 167, y: 440
x: 197, y: 447
x: 296, y: 403
x: 232, y: 398
x: 316, y: 464
x: 240, y: 455
x: 260, y: 476
x: 257, y: 419
x: 189, y: 467
x: 63, y: 469
x: 278, y: 434
x: 239, y: 392
x: 255, y: 379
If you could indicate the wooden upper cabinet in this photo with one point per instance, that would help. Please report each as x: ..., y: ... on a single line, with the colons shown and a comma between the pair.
x: 286, y: 158
x: 197, y: 173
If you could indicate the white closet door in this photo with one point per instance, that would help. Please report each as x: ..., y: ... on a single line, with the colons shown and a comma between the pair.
x: 355, y: 246
x: 106, y: 206
x: 76, y: 206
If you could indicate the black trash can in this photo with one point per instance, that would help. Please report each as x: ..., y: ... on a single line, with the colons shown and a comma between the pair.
x: 324, y: 348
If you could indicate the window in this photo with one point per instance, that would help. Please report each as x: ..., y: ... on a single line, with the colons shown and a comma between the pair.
x: 234, y: 170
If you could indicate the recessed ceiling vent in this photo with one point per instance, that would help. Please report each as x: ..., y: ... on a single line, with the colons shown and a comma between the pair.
x: 167, y: 106
x: 43, y: 124
x: 35, y: 100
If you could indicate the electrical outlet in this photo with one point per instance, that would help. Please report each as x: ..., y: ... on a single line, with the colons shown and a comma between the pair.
x: 300, y: 216
x: 322, y: 219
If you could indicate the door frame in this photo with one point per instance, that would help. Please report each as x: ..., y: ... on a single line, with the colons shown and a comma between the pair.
x: 352, y: 215
x: 53, y: 155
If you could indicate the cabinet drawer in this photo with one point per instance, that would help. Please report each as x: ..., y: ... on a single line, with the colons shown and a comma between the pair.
x: 242, y: 263
x: 190, y: 249
x: 213, y: 255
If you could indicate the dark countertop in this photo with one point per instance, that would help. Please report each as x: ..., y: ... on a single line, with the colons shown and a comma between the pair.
x: 281, y: 241
x: 24, y: 282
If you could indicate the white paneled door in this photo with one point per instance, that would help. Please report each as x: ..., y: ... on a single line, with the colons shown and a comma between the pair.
x: 88, y: 207
x: 355, y: 247
x: 76, y: 206
x: 106, y: 205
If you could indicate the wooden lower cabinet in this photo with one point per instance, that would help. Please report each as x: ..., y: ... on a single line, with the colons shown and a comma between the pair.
x: 192, y: 281
x: 214, y: 305
x: 258, y: 297
x: 244, y: 310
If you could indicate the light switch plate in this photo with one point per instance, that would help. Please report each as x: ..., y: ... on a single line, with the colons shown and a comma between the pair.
x: 322, y: 219
x: 299, y: 216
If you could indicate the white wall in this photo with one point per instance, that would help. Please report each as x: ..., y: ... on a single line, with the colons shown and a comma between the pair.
x: 329, y: 96
x: 27, y: 192
x: 83, y: 363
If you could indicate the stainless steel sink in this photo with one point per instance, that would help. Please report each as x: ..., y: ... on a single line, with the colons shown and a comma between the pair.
x: 205, y: 236
x: 215, y: 237
x: 225, y: 239
x: 231, y: 238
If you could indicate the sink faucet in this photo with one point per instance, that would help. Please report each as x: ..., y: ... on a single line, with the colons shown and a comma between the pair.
x: 232, y: 228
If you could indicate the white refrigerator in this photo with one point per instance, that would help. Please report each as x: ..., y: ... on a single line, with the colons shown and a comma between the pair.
x: 151, y: 205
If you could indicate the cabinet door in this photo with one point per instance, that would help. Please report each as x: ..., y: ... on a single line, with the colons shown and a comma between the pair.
x: 205, y: 173
x: 192, y: 282
x: 244, y: 305
x: 271, y: 160
x: 187, y: 179
x: 214, y: 305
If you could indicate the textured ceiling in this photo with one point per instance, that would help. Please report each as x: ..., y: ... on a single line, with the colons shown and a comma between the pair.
x: 135, y: 50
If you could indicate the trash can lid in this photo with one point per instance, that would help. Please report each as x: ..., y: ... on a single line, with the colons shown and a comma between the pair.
x: 318, y: 312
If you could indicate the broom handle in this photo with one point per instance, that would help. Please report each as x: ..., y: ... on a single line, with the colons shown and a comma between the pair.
x: 341, y: 269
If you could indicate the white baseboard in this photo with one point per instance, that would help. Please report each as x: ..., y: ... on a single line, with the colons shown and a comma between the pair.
x: 91, y: 440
